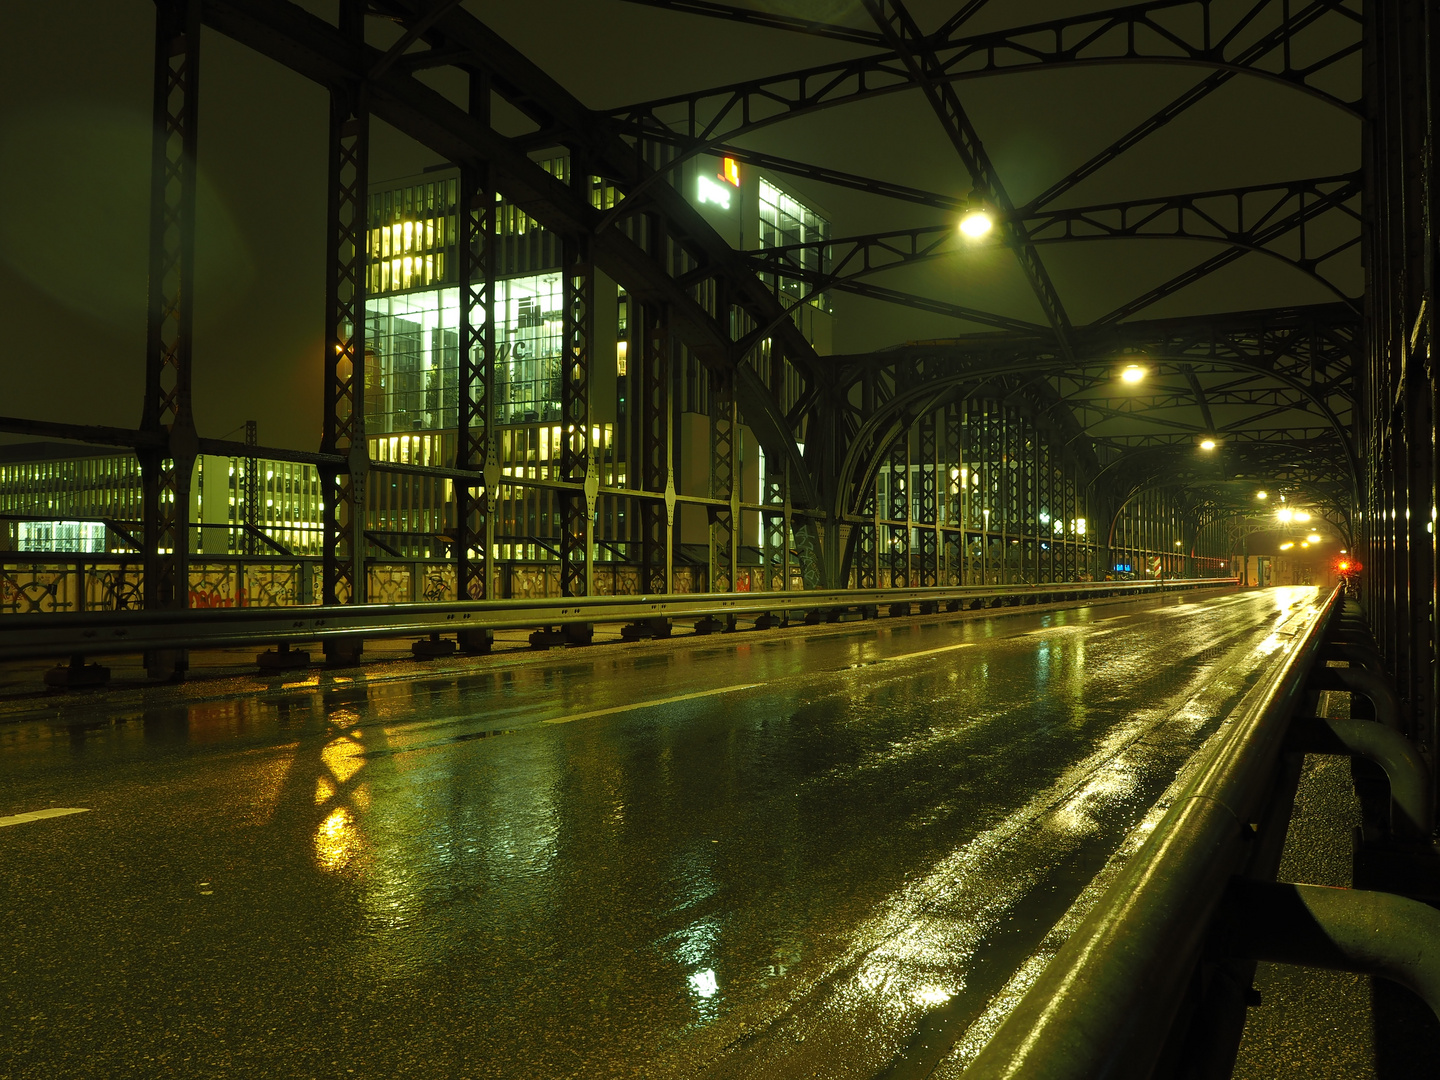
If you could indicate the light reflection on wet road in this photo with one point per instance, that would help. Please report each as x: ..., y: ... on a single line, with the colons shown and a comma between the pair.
x: 749, y: 856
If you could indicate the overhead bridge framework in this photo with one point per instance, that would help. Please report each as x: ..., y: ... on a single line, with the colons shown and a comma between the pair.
x: 1008, y: 460
x: 1007, y: 454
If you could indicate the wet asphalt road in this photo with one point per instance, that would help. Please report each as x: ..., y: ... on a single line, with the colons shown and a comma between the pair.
x: 803, y: 854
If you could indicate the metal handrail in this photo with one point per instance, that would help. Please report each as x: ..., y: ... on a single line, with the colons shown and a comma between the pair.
x: 1105, y: 1004
x: 90, y: 633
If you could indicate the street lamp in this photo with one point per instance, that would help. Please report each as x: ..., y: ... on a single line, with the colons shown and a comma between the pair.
x: 1132, y: 373
x: 977, y: 220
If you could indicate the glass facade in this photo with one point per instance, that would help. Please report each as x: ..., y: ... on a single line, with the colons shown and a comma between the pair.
x: 87, y: 536
x: 413, y: 236
x: 785, y: 220
x: 412, y: 356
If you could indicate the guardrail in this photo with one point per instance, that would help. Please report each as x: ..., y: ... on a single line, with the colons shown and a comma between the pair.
x: 62, y: 634
x: 1155, y: 979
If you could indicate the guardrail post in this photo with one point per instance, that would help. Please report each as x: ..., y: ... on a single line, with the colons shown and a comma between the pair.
x: 1370, y: 933
x: 1373, y: 686
x: 1412, y: 814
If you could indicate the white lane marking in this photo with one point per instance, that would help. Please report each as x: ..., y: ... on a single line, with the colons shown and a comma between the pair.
x: 648, y: 704
x: 922, y: 652
x: 41, y: 815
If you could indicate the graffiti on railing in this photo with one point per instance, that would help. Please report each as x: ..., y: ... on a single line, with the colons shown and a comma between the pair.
x: 215, y: 598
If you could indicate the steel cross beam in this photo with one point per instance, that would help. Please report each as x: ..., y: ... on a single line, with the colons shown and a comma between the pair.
x: 1253, y: 218
x: 650, y: 276
x: 1279, y: 37
x: 1306, y: 352
x: 1130, y: 34
x: 768, y: 20
x: 291, y: 36
x: 905, y: 38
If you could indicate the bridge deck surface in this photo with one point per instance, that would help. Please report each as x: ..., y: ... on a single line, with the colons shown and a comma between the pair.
x: 817, y: 852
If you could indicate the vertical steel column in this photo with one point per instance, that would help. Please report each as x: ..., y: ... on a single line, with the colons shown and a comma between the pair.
x: 776, y: 525
x: 955, y: 494
x: 724, y: 437
x: 929, y: 516
x: 1007, y: 492
x: 577, y: 459
x: 897, y: 510
x: 344, y: 489
x: 167, y: 466
x: 251, y: 490
x: 653, y: 407
x: 867, y: 538
x: 989, y: 471
x: 475, y: 449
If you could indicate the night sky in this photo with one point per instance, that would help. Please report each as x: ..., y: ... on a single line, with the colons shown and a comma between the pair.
x: 75, y: 84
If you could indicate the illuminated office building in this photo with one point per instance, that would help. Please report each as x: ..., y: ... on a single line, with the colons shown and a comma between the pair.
x: 54, y: 498
x: 412, y: 360
x: 60, y: 498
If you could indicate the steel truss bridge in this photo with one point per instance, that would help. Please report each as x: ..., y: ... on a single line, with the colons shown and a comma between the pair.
x: 1059, y: 462
x: 892, y: 471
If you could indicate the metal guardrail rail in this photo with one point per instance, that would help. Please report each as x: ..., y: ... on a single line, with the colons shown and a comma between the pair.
x: 73, y: 634
x: 1107, y: 1004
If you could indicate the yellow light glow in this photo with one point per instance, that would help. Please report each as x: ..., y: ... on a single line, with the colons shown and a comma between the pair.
x: 1262, y: 495
x: 1301, y: 515
x: 1286, y: 546
x: 976, y: 223
x: 1207, y: 444
x: 1303, y: 544
x: 1133, y: 374
x: 337, y: 840
x: 1314, y: 538
x: 1285, y: 514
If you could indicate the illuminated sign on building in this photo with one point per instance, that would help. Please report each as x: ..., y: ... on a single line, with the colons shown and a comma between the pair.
x: 730, y: 171
x: 708, y: 191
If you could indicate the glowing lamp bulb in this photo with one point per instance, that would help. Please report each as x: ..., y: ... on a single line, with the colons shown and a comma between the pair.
x: 1285, y: 514
x: 1207, y: 444
x: 1133, y: 374
x: 1314, y: 538
x: 976, y: 223
x: 1262, y: 495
